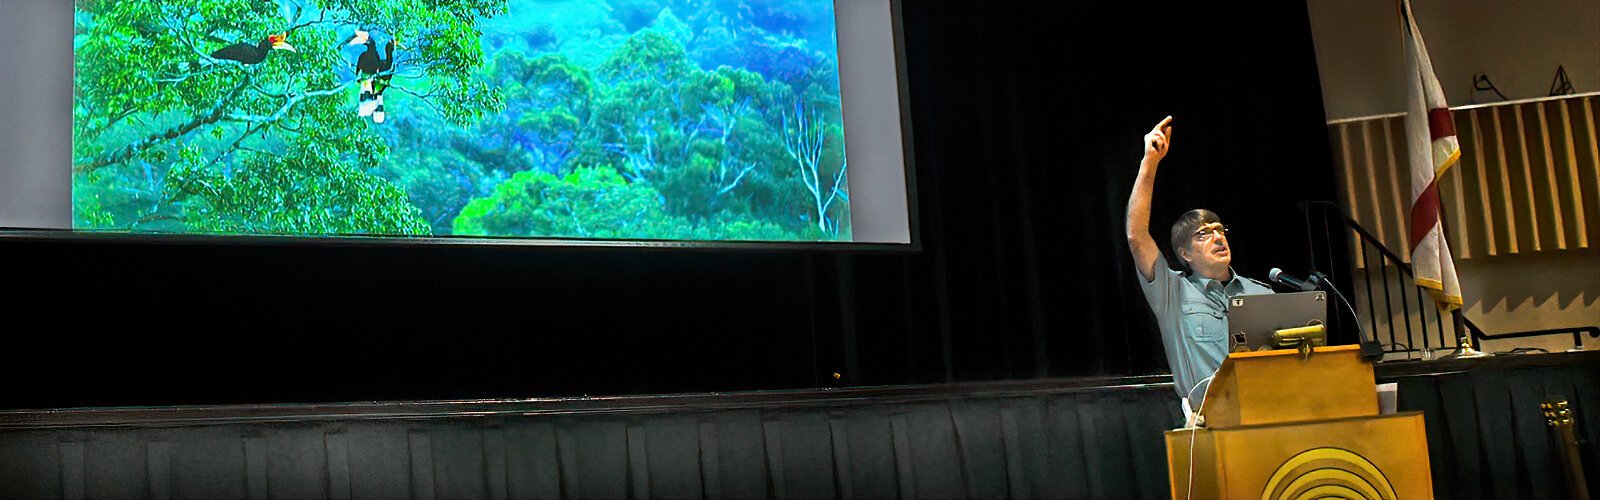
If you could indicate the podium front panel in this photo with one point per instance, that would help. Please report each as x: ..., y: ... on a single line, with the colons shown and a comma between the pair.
x: 1381, y: 457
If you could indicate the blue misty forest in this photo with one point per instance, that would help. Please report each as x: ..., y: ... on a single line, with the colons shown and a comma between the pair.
x: 621, y: 119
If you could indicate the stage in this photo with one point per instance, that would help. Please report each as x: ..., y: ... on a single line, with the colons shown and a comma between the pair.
x: 1048, y: 438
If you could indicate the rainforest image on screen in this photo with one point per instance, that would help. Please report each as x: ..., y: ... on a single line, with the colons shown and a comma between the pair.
x: 607, y: 119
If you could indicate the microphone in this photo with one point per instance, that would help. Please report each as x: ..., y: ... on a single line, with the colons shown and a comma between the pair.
x: 1277, y: 276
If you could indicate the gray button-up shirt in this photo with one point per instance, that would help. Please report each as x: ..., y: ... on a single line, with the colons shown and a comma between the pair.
x: 1193, y: 315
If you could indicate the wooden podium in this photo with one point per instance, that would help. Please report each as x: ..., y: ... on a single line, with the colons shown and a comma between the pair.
x: 1283, y: 426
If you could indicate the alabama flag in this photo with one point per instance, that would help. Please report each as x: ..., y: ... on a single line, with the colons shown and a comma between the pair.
x: 1432, y: 147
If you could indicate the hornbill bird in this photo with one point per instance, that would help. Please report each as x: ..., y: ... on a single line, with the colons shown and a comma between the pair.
x: 375, y: 72
x: 254, y: 54
x: 381, y: 83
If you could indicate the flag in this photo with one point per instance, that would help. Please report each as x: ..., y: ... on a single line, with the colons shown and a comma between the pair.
x: 1432, y: 148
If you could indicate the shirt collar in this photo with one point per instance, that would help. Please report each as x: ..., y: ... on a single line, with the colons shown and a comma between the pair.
x: 1232, y: 285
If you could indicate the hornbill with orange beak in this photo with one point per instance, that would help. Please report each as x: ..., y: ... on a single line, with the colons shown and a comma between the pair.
x: 254, y: 54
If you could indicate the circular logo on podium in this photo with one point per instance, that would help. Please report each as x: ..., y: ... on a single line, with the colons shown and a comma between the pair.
x: 1328, y: 473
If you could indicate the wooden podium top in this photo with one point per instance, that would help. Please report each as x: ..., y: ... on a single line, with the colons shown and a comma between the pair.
x: 1282, y: 386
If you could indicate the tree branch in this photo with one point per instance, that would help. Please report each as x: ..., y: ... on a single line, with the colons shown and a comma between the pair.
x: 838, y: 178
x: 747, y: 168
x: 235, y: 146
x: 109, y: 123
x: 213, y: 68
x: 125, y: 153
x: 425, y: 98
x: 289, y: 103
x: 218, y: 113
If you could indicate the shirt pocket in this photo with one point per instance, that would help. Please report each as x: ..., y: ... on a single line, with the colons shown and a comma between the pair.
x: 1204, y: 323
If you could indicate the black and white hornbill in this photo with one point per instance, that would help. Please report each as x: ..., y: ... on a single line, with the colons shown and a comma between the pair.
x: 375, y: 72
x: 254, y: 54
x: 381, y: 83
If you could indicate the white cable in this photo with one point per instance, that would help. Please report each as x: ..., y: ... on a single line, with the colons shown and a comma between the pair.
x: 1195, y: 429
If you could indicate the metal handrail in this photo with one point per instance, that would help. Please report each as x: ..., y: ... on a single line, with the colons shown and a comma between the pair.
x: 1387, y: 257
x: 1577, y: 332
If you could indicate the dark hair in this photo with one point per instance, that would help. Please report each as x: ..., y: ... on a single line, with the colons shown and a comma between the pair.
x: 1183, y: 230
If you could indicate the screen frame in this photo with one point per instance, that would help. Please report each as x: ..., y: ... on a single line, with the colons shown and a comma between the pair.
x: 907, y: 144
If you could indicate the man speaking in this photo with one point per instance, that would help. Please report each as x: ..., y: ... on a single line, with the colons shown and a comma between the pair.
x: 1190, y: 304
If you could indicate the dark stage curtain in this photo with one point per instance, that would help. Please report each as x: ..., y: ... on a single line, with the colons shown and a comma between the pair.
x: 1027, y: 119
x: 1093, y: 443
x: 1034, y: 439
x: 1487, y: 436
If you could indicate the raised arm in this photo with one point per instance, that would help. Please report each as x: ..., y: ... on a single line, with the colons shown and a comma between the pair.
x: 1145, y: 251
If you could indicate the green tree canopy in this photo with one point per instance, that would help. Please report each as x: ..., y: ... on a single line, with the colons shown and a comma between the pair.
x: 147, y: 66
x: 592, y: 203
x: 299, y: 194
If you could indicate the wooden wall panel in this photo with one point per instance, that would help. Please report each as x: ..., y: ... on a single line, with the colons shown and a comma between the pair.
x: 1528, y: 179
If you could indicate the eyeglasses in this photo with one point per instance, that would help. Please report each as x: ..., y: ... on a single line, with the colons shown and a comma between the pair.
x: 1210, y: 231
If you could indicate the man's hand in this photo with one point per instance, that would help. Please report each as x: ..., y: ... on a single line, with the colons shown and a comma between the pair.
x: 1159, y: 140
x: 1145, y: 251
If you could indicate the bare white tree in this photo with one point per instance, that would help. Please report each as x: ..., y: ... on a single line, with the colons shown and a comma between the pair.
x: 803, y: 136
x: 641, y: 163
x: 724, y: 118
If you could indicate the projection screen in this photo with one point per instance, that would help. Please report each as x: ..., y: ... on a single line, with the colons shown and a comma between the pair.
x: 523, y: 121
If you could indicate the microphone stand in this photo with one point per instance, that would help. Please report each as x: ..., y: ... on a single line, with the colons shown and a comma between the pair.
x: 1371, y: 350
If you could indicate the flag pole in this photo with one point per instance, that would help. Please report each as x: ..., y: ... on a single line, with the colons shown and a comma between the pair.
x: 1464, y: 347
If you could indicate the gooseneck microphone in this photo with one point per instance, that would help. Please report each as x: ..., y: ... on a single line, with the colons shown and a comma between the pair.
x: 1371, y: 349
x: 1278, y: 276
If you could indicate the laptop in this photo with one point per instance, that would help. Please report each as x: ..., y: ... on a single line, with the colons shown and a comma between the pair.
x: 1252, y: 319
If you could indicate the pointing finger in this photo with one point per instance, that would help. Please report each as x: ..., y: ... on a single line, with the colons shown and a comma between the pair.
x: 1164, y: 123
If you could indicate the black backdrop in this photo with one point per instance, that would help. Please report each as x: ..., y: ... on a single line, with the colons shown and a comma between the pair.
x: 1027, y: 115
